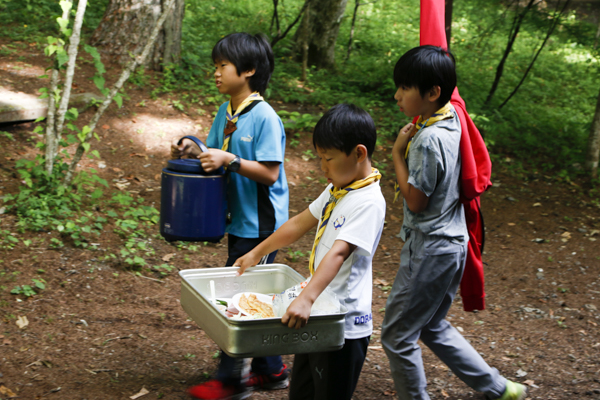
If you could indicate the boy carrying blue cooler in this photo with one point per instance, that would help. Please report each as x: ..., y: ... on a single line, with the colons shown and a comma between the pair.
x: 247, y: 138
x: 349, y: 217
x: 427, y: 163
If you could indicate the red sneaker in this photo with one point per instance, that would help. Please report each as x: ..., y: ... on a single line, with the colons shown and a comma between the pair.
x: 216, y: 390
x: 280, y: 380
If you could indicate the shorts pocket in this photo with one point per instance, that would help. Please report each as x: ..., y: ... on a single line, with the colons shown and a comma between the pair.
x: 437, y: 245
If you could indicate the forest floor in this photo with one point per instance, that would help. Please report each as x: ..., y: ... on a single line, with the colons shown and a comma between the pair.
x: 100, y: 331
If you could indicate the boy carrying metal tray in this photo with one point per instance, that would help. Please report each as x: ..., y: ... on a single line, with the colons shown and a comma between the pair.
x: 248, y: 139
x: 349, y: 217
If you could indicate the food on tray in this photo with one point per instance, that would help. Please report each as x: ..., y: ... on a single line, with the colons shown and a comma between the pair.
x: 255, y: 307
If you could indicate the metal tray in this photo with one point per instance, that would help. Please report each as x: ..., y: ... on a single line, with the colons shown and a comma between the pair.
x: 260, y: 337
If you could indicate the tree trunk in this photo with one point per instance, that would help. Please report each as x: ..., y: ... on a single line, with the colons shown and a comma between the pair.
x: 557, y: 15
x: 356, y: 5
x: 325, y: 18
x: 448, y: 18
x: 305, y: 31
x: 127, y: 24
x: 514, y: 32
x: 593, y: 155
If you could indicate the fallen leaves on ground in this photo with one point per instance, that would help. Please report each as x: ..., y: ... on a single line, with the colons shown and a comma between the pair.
x: 139, y: 394
x: 22, y: 322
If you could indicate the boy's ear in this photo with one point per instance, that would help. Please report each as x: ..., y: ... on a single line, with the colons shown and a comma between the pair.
x: 434, y: 94
x: 361, y: 153
x: 248, y: 74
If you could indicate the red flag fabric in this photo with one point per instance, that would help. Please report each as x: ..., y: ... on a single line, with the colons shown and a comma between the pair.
x: 476, y: 168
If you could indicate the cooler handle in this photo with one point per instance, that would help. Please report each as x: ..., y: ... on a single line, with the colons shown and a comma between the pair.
x: 194, y: 139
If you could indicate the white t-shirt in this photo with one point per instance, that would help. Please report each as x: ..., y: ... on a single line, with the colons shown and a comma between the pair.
x: 356, y: 219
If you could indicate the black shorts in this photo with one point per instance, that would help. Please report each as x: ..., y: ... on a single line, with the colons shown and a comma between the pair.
x: 330, y: 375
x: 238, y: 246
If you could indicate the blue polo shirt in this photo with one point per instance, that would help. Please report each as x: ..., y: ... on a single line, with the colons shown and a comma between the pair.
x: 257, y: 210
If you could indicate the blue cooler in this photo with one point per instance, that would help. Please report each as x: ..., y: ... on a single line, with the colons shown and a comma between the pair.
x: 193, y: 203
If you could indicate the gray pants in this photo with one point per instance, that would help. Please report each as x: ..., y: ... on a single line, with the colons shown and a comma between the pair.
x: 426, y: 284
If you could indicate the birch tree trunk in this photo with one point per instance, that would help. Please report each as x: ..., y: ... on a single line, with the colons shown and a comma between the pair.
x: 133, y: 64
x: 128, y: 23
x: 325, y: 18
x: 593, y: 147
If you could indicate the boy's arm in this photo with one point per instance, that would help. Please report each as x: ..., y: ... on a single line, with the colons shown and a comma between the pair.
x: 415, y: 199
x: 259, y: 171
x: 287, y: 234
x: 298, y: 311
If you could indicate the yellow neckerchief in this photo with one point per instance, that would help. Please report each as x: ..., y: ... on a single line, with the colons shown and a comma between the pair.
x: 441, y: 114
x: 336, y: 195
x: 232, y: 118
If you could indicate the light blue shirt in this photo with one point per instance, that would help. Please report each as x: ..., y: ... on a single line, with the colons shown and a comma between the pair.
x: 257, y: 210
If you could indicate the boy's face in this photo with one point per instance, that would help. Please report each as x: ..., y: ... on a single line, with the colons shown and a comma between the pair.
x: 227, y: 79
x: 339, y: 169
x: 411, y: 102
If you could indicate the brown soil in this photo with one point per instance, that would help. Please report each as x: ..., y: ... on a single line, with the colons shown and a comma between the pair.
x: 99, y: 331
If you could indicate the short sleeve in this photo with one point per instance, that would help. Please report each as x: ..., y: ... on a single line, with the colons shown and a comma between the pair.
x: 424, y: 166
x: 216, y: 130
x: 363, y: 225
x: 269, y: 137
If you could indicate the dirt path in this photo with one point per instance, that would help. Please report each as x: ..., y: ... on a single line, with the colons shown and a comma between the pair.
x: 99, y: 331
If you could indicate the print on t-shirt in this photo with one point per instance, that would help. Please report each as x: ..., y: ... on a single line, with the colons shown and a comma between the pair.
x: 339, y: 222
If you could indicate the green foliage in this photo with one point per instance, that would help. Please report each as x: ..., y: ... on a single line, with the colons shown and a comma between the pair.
x: 29, y: 290
x: 8, y: 135
x: 546, y: 123
x: 294, y: 256
x: 298, y: 122
x: 7, y: 240
x: 43, y: 203
x: 131, y: 218
x: 31, y: 20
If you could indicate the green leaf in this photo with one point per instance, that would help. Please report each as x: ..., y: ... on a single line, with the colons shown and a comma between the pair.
x: 72, y: 114
x: 119, y: 99
x: 50, y: 49
x: 99, y: 81
x: 66, y: 5
x: 100, y: 180
x: 97, y: 194
x: 63, y: 23
x: 39, y: 283
x: 86, y: 146
x: 71, y: 139
x: 62, y: 58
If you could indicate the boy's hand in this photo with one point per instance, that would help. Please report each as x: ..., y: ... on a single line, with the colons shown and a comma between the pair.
x: 214, y: 159
x: 297, y: 313
x: 403, y: 138
x: 186, y: 148
x: 246, y: 261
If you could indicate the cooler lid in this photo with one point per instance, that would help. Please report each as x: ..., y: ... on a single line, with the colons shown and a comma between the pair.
x: 190, y: 166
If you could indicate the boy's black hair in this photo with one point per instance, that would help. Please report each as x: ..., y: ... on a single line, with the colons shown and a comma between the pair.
x: 425, y: 67
x: 343, y: 127
x: 247, y: 53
